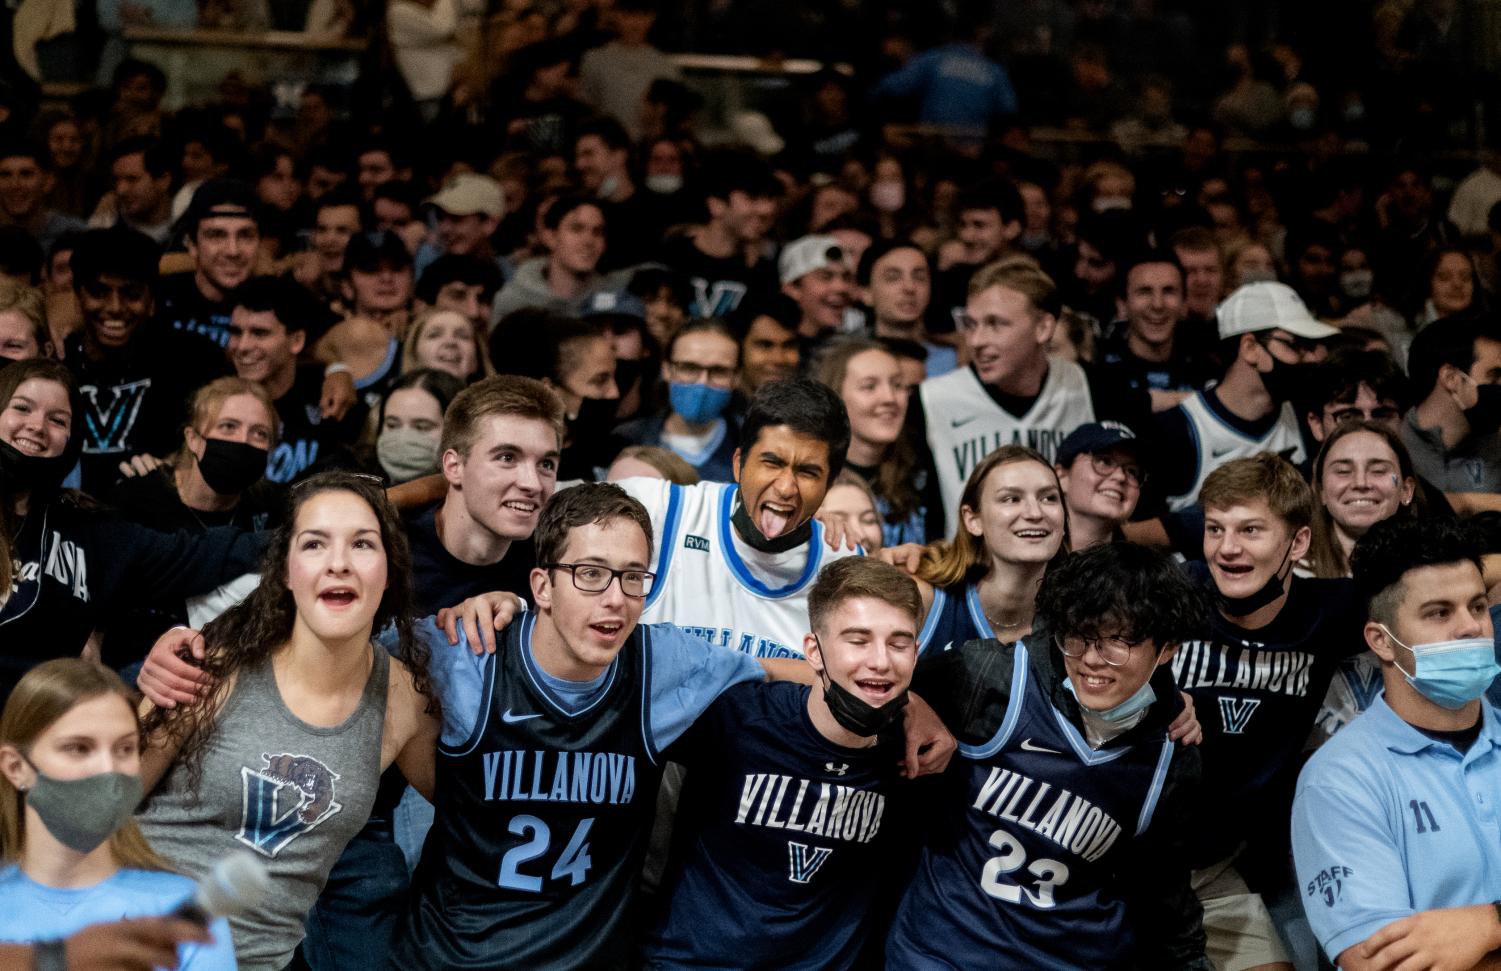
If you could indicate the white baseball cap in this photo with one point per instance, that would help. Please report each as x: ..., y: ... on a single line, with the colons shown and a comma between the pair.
x: 1268, y: 305
x: 802, y: 256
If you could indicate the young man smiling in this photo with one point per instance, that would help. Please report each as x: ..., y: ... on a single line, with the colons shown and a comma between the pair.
x: 1258, y: 677
x: 1394, y: 841
x: 1056, y: 840
x: 781, y: 816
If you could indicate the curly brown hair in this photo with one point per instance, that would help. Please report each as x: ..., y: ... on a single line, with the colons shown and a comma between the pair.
x: 250, y: 632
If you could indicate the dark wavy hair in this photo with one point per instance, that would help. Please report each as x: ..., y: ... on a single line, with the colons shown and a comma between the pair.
x: 1125, y: 589
x: 251, y: 632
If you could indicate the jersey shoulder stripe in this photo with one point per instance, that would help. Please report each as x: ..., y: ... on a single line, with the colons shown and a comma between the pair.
x: 1159, y: 778
x: 668, y: 543
x: 1020, y: 674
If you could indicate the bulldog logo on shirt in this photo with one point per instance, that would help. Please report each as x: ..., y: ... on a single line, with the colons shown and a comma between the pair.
x: 289, y: 796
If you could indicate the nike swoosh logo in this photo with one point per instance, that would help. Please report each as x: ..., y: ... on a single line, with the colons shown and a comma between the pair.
x: 1027, y: 746
x: 510, y: 718
x: 956, y: 422
x: 1220, y: 453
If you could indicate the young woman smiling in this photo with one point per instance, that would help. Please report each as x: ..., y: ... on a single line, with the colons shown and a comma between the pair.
x: 983, y: 582
x: 868, y: 379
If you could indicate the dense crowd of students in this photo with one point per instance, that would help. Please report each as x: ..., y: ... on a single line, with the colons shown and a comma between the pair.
x: 585, y: 548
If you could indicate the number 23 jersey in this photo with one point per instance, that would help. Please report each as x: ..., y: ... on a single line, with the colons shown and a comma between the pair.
x: 1032, y: 844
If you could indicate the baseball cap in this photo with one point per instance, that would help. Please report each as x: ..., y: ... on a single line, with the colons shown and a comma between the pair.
x: 614, y: 303
x: 1268, y: 305
x: 1096, y: 436
x: 222, y: 197
x: 802, y: 256
x: 470, y: 194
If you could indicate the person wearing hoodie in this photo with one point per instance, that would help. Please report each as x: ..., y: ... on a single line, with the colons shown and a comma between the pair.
x: 77, y: 564
x: 573, y: 230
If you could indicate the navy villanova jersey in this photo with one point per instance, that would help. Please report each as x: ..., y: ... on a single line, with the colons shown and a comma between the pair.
x: 541, y: 824
x: 781, y: 841
x: 954, y: 619
x: 1019, y: 866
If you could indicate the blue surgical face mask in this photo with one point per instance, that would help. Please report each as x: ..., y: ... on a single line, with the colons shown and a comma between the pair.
x: 698, y: 403
x: 1451, y: 674
x: 1123, y: 712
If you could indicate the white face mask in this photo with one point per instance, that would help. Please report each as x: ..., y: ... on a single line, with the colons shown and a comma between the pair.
x: 667, y: 183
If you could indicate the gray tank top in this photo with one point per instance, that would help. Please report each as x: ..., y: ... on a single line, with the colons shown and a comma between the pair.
x: 289, y: 792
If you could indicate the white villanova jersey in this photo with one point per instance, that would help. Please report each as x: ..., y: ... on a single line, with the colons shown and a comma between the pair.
x: 714, y: 586
x: 965, y: 424
x: 1216, y: 443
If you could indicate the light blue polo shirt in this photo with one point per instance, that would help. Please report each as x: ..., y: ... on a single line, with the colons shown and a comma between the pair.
x: 1388, y: 823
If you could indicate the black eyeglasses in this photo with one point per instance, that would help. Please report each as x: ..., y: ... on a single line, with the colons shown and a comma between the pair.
x: 1113, y: 650
x: 593, y: 578
x: 1105, y: 466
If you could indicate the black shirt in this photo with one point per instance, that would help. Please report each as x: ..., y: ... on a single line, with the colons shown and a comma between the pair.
x: 441, y: 579
x: 183, y: 307
x: 136, y: 397
x: 719, y: 283
x: 310, y: 442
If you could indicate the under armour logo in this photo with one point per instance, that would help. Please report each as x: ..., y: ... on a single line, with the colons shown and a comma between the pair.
x: 1235, y: 713
x: 837, y: 768
x: 804, y: 861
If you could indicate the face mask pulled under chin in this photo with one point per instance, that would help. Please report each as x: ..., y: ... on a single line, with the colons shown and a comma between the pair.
x: 856, y: 716
x: 1275, y: 586
x: 32, y: 473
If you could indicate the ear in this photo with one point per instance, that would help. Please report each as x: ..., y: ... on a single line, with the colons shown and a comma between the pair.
x: 735, y: 460
x: 811, y: 652
x: 1044, y: 327
x: 1301, y: 539
x: 1248, y: 347
x: 453, y: 468
x: 14, y: 768
x: 541, y: 588
x: 1449, y: 376
x: 549, y: 238
x: 971, y: 520
x: 298, y: 338
x: 1166, y: 654
x: 1010, y: 231
x: 1062, y: 472
x: 1315, y: 424
x: 192, y: 245
x: 1377, y: 639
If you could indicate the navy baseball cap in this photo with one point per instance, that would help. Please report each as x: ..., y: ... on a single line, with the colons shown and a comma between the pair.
x: 1097, y: 436
x: 614, y: 303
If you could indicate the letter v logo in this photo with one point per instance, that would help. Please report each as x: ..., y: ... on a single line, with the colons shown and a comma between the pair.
x: 804, y: 861
x: 1235, y: 713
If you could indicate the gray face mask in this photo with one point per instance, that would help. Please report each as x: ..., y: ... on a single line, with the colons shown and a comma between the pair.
x: 83, y: 813
x: 406, y: 453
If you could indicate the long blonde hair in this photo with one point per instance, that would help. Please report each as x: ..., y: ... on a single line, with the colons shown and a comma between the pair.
x: 965, y: 557
x: 46, y: 693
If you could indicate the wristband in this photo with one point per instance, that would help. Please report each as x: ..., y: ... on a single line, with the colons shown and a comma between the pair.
x: 338, y: 367
x: 50, y: 956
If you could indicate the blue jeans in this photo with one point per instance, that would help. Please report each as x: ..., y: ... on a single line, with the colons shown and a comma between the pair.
x: 350, y: 927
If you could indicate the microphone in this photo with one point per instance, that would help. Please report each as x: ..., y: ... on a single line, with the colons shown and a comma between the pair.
x: 236, y: 885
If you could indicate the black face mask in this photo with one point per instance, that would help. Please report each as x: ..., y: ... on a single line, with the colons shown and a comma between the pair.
x: 1485, y: 415
x: 1271, y: 590
x: 32, y: 473
x: 594, y: 421
x: 860, y: 717
x: 230, y: 468
x: 747, y: 529
x: 626, y: 373
x: 1285, y: 382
